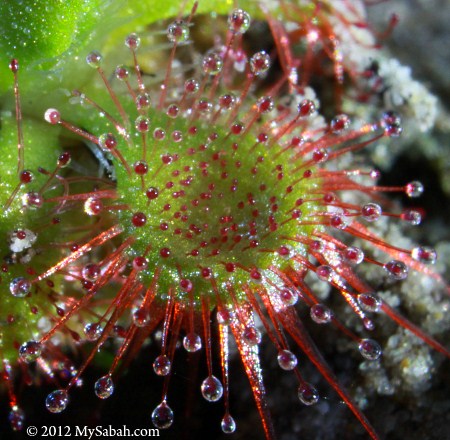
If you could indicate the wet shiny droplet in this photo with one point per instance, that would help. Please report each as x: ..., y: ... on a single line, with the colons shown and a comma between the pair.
x: 371, y: 212
x: 324, y: 273
x: 104, y: 387
x: 178, y: 32
x: 320, y: 314
x: 192, y: 342
x: 414, y: 189
x: 94, y: 59
x: 57, y: 401
x: 353, y: 255
x: 369, y: 302
x: 142, y: 124
x: 107, y: 141
x: 228, y: 424
x: 20, y: 287
x: 141, y: 317
x: 287, y: 360
x: 412, y: 217
x: 225, y: 316
x: 424, y: 254
x: 396, y: 269
x: 91, y: 272
x: 132, y: 41
x: 238, y: 21
x: 339, y: 123
x: 29, y: 351
x: 288, y: 297
x: 259, y: 63
x: 52, y: 116
x: 162, y: 365
x: 162, y: 416
x: 93, y: 206
x: 370, y: 349
x: 307, y: 394
x: 16, y: 418
x: 212, y: 389
x: 93, y: 331
x: 252, y: 335
x: 212, y: 63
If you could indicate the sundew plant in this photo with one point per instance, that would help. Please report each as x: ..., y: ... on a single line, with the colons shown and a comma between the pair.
x: 189, y: 184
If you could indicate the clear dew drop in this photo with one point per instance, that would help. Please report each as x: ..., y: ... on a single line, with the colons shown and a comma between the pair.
x: 104, y: 387
x: 251, y: 335
x: 287, y: 360
x: 320, y: 155
x: 320, y: 314
x: 307, y: 394
x: 162, y: 365
x: 91, y: 272
x: 173, y: 111
x: 369, y: 302
x: 396, y: 269
x: 32, y: 200
x: 339, y: 124
x: 212, y: 63
x: 369, y: 349
x: 411, y: 216
x: 324, y: 273
x: 225, y: 316
x: 93, y: 331
x: 191, y: 86
x: 162, y: 416
x: 29, y: 351
x: 57, y: 401
x: 371, y: 212
x: 178, y: 32
x: 265, y: 104
x: 338, y: 221
x: 260, y: 63
x: 122, y: 73
x: 16, y: 418
x: 192, y: 342
x: 107, y: 141
x: 159, y: 134
x: 132, y: 41
x: 414, y: 189
x: 368, y: 324
x: 306, y: 108
x: 424, y: 254
x: 288, y: 296
x: 143, y: 101
x: 353, y: 255
x: 141, y: 317
x: 211, y: 389
x: 238, y: 21
x: 228, y: 424
x: 204, y: 106
x: 94, y: 59
x: 392, y: 124
x: 142, y: 124
x: 93, y: 206
x: 177, y: 136
x: 52, y: 116
x: 227, y: 101
x: 20, y: 287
